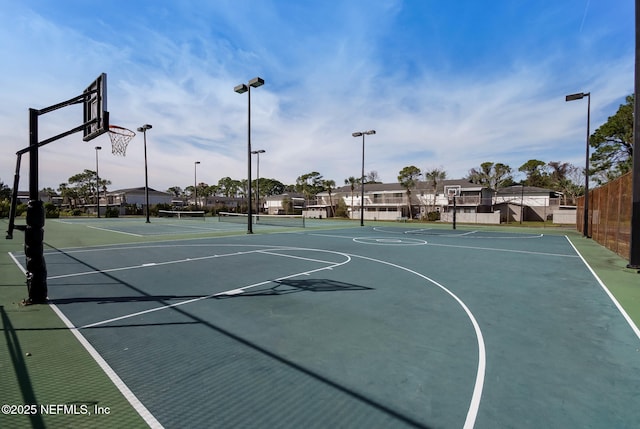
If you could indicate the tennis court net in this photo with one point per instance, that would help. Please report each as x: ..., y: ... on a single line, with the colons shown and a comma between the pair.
x: 182, y: 214
x: 276, y: 220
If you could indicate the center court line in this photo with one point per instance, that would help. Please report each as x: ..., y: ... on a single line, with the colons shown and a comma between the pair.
x: 234, y: 291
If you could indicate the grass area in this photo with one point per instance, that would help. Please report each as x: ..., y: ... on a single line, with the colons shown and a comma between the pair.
x: 42, y: 363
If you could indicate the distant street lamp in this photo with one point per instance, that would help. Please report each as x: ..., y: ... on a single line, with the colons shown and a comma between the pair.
x: 143, y: 129
x: 241, y: 89
x: 358, y: 134
x: 98, y: 181
x: 257, y: 153
x: 580, y: 96
x: 195, y: 182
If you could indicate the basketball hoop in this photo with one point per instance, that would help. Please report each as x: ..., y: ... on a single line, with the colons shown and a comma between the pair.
x: 120, y: 138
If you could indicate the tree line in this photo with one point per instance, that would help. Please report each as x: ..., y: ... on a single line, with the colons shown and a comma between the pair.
x: 611, y: 157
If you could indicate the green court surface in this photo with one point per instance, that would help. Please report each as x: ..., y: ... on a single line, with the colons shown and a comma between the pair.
x: 192, y: 323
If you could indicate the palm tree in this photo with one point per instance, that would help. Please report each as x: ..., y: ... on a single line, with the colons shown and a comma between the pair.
x: 328, y: 185
x: 352, y: 181
x: 68, y: 194
x: 49, y: 191
x: 176, y: 191
x: 433, y: 177
x: 229, y: 187
x: 408, y: 178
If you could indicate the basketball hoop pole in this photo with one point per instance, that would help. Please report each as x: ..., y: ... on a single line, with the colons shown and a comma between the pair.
x: 36, y: 270
x: 34, y: 232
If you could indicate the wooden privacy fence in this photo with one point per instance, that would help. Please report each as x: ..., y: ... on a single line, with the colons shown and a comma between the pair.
x: 609, y: 215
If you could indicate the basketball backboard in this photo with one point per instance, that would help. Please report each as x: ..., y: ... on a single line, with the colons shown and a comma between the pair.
x: 452, y: 191
x: 96, y: 116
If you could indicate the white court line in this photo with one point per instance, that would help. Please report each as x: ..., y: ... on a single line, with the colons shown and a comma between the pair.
x: 119, y: 383
x: 417, y: 231
x: 479, y: 383
x: 148, y: 264
x: 143, y: 246
x: 235, y: 291
x: 15, y: 261
x: 115, y: 379
x: 527, y: 252
x: 326, y: 235
x: 200, y: 228
x: 607, y: 291
x: 467, y: 233
x: 113, y: 230
x: 513, y: 236
x: 268, y: 252
x: 474, y: 406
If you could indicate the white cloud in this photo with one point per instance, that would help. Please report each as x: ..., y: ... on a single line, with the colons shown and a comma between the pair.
x: 320, y: 87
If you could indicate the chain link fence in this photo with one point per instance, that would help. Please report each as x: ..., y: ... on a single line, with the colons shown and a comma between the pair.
x: 609, y: 215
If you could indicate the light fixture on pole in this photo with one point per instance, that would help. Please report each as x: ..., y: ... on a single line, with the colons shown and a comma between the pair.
x: 257, y: 154
x: 143, y: 129
x: 358, y: 134
x: 195, y: 183
x: 97, y: 181
x: 580, y: 96
x: 241, y: 89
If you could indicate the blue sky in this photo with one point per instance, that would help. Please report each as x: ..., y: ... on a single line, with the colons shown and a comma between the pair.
x: 445, y: 84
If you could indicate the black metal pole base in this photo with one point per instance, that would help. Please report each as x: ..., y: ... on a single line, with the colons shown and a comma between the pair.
x: 34, y: 252
x: 634, y: 267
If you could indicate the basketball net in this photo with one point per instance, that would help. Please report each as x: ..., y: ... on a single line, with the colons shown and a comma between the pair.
x: 120, y: 138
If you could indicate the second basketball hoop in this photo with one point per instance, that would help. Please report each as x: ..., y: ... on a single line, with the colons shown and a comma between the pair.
x: 120, y: 138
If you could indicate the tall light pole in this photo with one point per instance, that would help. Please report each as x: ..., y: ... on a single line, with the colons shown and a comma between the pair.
x: 257, y: 154
x: 195, y: 182
x: 241, y: 89
x: 98, y: 181
x: 358, y: 134
x: 580, y: 96
x: 143, y: 129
